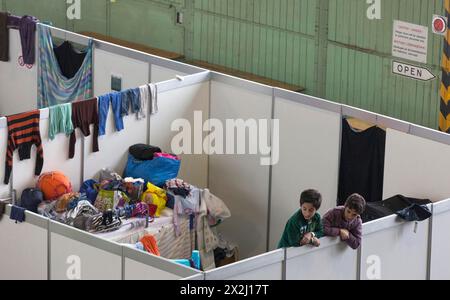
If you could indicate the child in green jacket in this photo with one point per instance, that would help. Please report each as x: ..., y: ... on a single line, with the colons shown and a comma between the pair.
x: 305, y: 226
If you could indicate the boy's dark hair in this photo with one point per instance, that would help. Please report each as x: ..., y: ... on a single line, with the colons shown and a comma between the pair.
x: 311, y: 196
x: 356, y: 202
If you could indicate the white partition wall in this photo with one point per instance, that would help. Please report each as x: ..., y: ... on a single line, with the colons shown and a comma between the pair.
x: 415, y: 167
x: 56, y: 155
x: 23, y: 247
x: 333, y: 260
x: 4, y: 188
x: 159, y: 73
x: 176, y: 104
x: 133, y: 72
x: 393, y: 249
x: 143, y: 266
x: 268, y: 266
x: 78, y: 255
x: 240, y: 180
x: 309, y: 157
x: 440, y: 246
x: 18, y: 84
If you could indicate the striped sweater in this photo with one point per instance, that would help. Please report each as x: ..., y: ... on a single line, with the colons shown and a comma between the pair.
x: 23, y: 132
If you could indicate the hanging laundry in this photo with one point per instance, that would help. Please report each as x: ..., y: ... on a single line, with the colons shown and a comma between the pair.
x: 130, y: 98
x: 4, y: 36
x: 27, y: 30
x: 23, y: 132
x: 103, y: 108
x: 53, y: 87
x: 362, y: 163
x: 69, y: 59
x: 84, y: 113
x: 153, y: 99
x: 2, y: 209
x: 144, y: 100
x: 60, y: 120
x: 17, y: 214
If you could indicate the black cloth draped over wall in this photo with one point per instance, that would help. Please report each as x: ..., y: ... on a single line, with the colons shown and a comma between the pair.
x: 69, y: 60
x: 362, y: 163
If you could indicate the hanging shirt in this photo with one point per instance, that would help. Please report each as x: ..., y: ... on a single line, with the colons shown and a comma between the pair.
x: 23, y: 132
x: 60, y: 120
x: 4, y: 36
x: 84, y: 113
x: 69, y: 60
x: 53, y: 87
x: 362, y: 163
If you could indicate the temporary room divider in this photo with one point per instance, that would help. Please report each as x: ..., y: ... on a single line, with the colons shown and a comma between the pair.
x: 261, y: 197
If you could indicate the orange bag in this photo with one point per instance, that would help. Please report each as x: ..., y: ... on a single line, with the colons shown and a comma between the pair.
x: 54, y: 184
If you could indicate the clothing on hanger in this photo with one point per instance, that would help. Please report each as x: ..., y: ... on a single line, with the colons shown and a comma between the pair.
x: 69, y: 59
x: 362, y: 163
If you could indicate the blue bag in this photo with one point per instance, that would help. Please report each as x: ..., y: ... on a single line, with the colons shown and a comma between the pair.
x: 156, y: 171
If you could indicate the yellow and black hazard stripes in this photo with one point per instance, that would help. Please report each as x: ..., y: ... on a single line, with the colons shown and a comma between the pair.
x: 444, y: 116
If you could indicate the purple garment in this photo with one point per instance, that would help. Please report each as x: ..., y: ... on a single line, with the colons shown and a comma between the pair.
x: 334, y: 221
x: 27, y: 30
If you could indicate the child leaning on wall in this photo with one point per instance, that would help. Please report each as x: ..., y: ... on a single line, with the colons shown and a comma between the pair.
x: 305, y: 226
x: 345, y: 221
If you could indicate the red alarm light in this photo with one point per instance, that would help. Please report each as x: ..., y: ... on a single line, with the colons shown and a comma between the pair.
x: 439, y: 24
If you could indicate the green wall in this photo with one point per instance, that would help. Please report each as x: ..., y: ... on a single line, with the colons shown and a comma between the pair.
x: 329, y: 47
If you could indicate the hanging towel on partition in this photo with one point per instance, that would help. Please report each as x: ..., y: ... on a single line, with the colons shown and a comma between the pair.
x: 53, y: 87
x: 84, y: 113
x: 69, y: 59
x: 23, y: 132
x: 27, y: 30
x: 103, y: 108
x: 362, y: 163
x: 144, y: 99
x: 4, y: 36
x: 153, y: 99
x: 60, y: 120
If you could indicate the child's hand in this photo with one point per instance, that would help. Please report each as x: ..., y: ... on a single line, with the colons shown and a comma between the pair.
x: 345, y: 234
x: 315, y: 242
x: 306, y: 239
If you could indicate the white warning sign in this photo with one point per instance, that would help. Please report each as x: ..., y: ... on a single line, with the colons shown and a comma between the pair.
x: 410, y: 41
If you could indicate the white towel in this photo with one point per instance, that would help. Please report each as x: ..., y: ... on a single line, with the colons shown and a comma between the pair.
x: 144, y: 99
